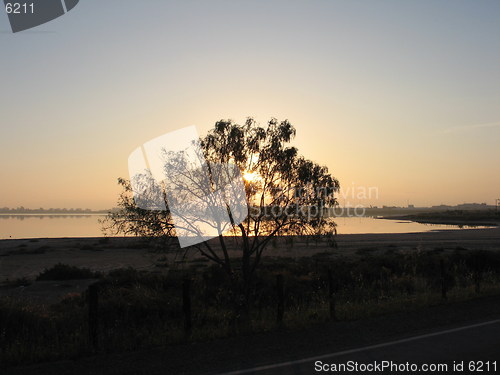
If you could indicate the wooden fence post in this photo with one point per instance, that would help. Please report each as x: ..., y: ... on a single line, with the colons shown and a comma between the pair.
x: 281, y: 299
x: 331, y: 296
x: 443, y: 280
x: 478, y: 275
x: 186, y: 306
x: 93, y: 296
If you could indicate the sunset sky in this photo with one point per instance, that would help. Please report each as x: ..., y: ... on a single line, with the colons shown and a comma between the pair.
x: 399, y: 95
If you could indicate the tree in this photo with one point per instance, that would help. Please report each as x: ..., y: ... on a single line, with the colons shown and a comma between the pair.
x: 286, y: 194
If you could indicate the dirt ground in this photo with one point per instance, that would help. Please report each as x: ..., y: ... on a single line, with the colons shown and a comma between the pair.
x: 21, y: 259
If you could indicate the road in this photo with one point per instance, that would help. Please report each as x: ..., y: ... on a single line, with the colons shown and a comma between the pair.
x: 438, y: 334
x: 467, y: 344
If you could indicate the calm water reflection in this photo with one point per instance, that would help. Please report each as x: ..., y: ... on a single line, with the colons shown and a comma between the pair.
x: 358, y: 225
x: 40, y: 226
x: 35, y: 226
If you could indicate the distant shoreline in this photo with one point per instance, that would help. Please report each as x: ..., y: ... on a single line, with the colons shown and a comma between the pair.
x: 453, y: 217
x: 441, y: 221
x: 61, y: 214
x: 28, y: 257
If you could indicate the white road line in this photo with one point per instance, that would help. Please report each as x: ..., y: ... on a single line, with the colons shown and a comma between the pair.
x: 350, y: 351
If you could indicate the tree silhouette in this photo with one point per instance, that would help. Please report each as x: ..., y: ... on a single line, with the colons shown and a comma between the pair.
x: 286, y: 195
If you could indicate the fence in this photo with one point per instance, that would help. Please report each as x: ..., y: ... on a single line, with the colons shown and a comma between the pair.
x: 330, y: 289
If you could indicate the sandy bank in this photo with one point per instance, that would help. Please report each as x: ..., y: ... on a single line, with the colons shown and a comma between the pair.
x: 27, y: 258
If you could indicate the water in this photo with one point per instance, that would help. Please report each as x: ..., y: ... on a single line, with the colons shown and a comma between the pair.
x: 52, y: 226
x: 359, y: 225
x: 49, y: 226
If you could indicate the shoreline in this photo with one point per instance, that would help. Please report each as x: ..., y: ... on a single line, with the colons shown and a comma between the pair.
x: 459, y: 222
x: 452, y: 217
x: 26, y: 258
x: 89, y: 226
x: 455, y: 226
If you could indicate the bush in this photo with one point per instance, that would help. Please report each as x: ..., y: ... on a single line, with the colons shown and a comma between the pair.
x: 65, y: 272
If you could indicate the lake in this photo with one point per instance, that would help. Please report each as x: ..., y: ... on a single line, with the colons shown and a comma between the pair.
x: 54, y: 226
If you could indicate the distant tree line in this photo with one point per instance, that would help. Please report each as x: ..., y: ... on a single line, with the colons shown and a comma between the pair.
x: 23, y: 210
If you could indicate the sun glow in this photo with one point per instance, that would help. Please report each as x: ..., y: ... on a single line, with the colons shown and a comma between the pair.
x: 250, y: 176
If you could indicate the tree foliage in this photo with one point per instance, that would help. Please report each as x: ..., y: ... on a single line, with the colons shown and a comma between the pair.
x: 287, y: 194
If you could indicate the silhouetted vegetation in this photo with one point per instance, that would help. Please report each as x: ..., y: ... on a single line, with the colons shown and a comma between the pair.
x: 141, y: 310
x: 464, y: 217
x: 287, y: 187
x: 65, y: 272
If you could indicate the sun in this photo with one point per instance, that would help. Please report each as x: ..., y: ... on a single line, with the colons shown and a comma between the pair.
x: 250, y: 176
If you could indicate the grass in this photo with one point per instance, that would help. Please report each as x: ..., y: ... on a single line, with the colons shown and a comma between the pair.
x: 139, y: 310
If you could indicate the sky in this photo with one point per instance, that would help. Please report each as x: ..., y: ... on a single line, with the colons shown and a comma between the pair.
x: 397, y: 97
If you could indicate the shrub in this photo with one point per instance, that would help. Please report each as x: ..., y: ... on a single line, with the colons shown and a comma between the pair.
x: 65, y: 272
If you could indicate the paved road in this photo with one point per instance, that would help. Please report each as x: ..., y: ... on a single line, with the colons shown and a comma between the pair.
x: 478, y: 342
